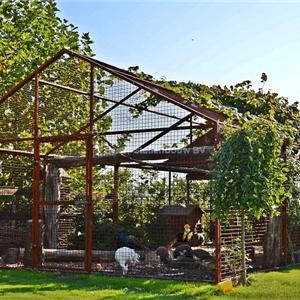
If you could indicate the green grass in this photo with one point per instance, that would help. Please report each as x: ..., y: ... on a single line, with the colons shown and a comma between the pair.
x: 15, y: 284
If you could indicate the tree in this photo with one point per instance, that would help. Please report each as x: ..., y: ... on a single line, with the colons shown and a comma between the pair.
x: 250, y: 174
x: 31, y: 32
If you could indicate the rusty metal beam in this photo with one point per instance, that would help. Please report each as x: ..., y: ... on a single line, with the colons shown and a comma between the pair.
x: 130, y: 131
x: 66, y: 88
x: 10, y: 141
x: 45, y: 139
x: 162, y: 167
x: 151, y: 87
x: 116, y: 132
x: 154, y: 89
x: 164, y: 132
x: 96, y: 119
x: 35, y: 236
x: 218, y: 238
x: 61, y: 202
x: 89, y: 181
x: 18, y: 152
x: 218, y: 263
x: 32, y: 75
x: 63, y: 138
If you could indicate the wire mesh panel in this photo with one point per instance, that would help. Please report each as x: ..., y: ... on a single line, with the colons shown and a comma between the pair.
x: 133, y: 230
x: 16, y: 134
x: 117, y: 172
x: 15, y: 209
x: 231, y: 250
x: 150, y: 237
x: 63, y: 208
x: 16, y: 116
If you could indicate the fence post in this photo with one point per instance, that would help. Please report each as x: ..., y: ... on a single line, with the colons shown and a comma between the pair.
x: 285, y: 237
x: 218, y: 276
x: 89, y: 182
x: 285, y: 233
x: 35, y: 236
x: 217, y: 142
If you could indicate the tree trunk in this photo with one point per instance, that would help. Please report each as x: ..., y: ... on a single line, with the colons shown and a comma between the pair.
x: 243, y: 248
x: 273, y: 243
x: 28, y: 244
x: 52, y: 193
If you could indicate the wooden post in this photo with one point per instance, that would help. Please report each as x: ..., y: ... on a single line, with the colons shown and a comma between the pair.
x: 28, y: 262
x: 285, y: 232
x: 284, y: 211
x: 51, y: 212
x: 89, y: 182
x: 115, y: 205
x: 273, y: 245
x: 243, y: 247
x: 191, y: 130
x: 218, y: 275
x: 218, y: 267
x: 35, y: 237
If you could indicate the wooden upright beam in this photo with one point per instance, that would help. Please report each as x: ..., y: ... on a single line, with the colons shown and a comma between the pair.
x: 285, y: 218
x: 218, y: 265
x: 218, y: 237
x: 285, y: 232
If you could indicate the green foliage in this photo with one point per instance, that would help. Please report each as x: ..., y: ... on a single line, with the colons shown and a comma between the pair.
x: 30, y: 32
x: 141, y: 197
x: 250, y: 172
x: 198, y: 191
x: 237, y: 101
x: 233, y: 256
x: 293, y: 186
x: 250, y: 175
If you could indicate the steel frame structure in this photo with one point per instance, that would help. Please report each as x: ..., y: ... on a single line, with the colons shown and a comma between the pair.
x: 87, y: 133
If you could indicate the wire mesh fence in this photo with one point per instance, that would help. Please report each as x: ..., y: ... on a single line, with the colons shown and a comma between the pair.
x: 231, y: 245
x: 102, y: 171
x: 15, y: 209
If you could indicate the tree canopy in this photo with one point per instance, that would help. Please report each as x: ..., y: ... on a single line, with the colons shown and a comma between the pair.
x: 31, y: 32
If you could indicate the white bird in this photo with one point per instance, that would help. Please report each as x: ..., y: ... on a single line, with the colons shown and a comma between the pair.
x: 125, y: 256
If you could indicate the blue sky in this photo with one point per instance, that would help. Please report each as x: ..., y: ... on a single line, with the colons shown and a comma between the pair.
x: 216, y: 42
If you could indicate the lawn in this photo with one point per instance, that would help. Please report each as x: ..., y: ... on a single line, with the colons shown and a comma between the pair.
x: 14, y: 285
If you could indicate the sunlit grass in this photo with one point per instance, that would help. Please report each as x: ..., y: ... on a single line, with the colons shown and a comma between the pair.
x: 14, y: 285
x: 35, y: 285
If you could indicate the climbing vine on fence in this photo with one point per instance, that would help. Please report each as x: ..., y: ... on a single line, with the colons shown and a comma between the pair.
x: 250, y: 172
